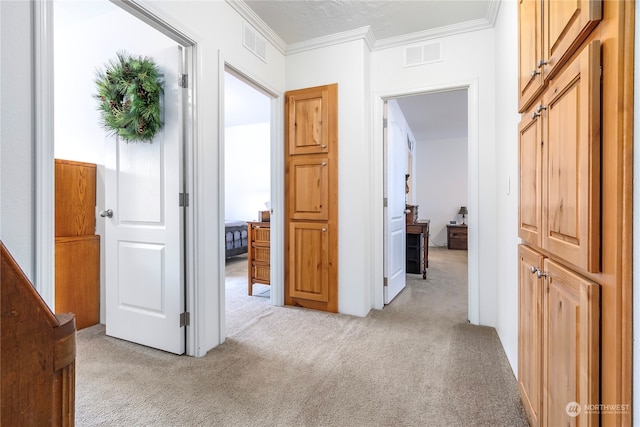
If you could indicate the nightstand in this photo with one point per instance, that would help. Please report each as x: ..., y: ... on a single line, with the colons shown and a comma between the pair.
x: 457, y: 236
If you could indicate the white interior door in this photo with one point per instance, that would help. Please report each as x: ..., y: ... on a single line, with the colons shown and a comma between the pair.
x: 394, y: 212
x: 143, y: 237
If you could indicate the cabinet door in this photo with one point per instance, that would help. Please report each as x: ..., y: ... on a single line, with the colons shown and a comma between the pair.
x: 571, y: 168
x: 530, y: 159
x: 308, y: 196
x: 572, y: 340
x: 308, y: 121
x: 309, y: 261
x: 530, y: 322
x: 530, y: 80
x: 566, y: 25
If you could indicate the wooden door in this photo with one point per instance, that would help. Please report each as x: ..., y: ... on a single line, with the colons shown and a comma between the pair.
x: 530, y: 323
x: 566, y: 25
x: 572, y: 337
x: 311, y: 188
x: 530, y: 159
x: 530, y: 81
x: 571, y: 174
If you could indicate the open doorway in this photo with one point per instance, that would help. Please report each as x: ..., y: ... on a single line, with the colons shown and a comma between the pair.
x: 435, y: 127
x: 79, y: 137
x: 247, y: 196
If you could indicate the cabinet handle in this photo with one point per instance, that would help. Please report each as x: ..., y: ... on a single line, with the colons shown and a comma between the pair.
x: 541, y: 63
x: 324, y: 163
x: 324, y: 230
x: 323, y: 146
x: 534, y: 73
x: 541, y: 274
x: 538, y: 111
x: 533, y: 270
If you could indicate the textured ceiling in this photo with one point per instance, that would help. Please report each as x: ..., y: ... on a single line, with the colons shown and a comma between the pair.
x: 436, y: 116
x: 296, y: 21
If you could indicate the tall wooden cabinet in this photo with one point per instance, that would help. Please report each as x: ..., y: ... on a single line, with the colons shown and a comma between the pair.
x: 576, y: 97
x: 311, y: 187
x: 77, y: 247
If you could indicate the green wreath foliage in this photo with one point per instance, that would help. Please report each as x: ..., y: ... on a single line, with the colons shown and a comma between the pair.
x: 129, y: 90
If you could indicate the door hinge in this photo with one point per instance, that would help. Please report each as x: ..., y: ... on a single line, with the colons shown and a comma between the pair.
x: 385, y: 282
x: 185, y: 319
x: 385, y: 202
x: 183, y: 200
x: 384, y: 123
x: 184, y: 80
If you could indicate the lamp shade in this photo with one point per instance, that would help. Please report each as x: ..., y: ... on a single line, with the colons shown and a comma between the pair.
x: 463, y: 210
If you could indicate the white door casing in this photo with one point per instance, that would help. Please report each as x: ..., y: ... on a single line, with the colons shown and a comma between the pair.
x: 144, y: 238
x: 395, y: 160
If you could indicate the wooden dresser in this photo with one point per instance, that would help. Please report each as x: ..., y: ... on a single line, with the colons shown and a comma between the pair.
x: 259, y: 258
x: 457, y: 236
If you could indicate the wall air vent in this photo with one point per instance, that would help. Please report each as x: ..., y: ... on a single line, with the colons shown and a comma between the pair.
x: 252, y: 41
x: 422, y: 54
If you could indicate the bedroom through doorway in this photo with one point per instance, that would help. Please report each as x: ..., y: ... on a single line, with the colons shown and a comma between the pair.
x: 247, y: 189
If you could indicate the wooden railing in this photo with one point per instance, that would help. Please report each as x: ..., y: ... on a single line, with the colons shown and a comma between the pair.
x: 37, y: 354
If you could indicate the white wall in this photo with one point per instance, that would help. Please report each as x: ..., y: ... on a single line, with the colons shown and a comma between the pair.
x: 247, y: 171
x: 467, y: 58
x: 506, y: 163
x: 17, y: 146
x: 442, y: 184
x: 346, y: 64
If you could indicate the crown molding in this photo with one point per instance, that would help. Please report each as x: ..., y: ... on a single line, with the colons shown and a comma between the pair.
x: 253, y: 19
x: 362, y: 33
x: 436, y: 33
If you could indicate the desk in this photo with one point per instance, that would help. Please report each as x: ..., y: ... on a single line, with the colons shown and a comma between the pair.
x: 421, y: 228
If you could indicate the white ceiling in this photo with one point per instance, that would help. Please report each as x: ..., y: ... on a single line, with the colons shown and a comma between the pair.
x: 296, y: 21
x: 431, y: 116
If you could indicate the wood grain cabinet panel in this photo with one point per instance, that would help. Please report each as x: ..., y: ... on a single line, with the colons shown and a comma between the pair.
x: 530, y: 323
x: 571, y: 167
x: 530, y: 81
x: 530, y: 160
x: 78, y: 278
x: 308, y: 116
x: 75, y: 198
x: 309, y: 184
x: 572, y: 346
x: 309, y: 260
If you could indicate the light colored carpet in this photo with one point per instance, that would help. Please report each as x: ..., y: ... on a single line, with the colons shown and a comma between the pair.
x: 417, y: 362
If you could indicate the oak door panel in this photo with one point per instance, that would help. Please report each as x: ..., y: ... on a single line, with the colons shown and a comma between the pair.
x: 530, y: 81
x: 530, y: 316
x: 309, y: 188
x: 571, y: 218
x: 572, y: 337
x: 566, y: 25
x: 309, y: 261
x: 308, y: 120
x: 530, y: 158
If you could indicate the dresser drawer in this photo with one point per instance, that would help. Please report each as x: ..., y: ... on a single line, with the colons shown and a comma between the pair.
x: 457, y: 237
x: 261, y: 273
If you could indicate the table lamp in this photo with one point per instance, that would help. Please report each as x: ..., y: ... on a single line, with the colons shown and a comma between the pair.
x: 463, y: 211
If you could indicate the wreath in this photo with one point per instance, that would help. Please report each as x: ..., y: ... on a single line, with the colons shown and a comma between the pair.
x: 129, y: 90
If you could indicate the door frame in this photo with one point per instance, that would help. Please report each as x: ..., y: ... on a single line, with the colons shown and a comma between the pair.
x: 44, y: 158
x: 473, y: 159
x: 276, y: 184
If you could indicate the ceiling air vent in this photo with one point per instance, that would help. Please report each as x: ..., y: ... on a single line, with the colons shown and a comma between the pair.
x: 422, y: 54
x: 252, y: 41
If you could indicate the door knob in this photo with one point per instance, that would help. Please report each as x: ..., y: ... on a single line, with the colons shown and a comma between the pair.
x: 108, y: 213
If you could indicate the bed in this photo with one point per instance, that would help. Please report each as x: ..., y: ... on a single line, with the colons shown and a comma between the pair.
x: 235, y: 238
